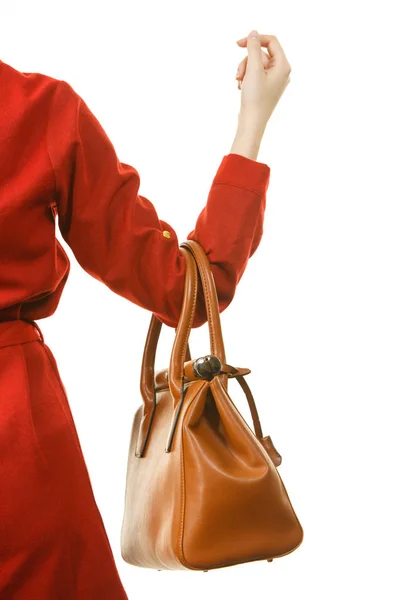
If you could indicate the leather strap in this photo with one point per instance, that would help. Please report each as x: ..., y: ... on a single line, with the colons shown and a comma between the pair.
x: 238, y: 374
x: 175, y: 383
x: 196, y: 262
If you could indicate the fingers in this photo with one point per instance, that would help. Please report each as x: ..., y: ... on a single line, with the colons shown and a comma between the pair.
x: 243, y: 64
x: 273, y: 46
x: 253, y: 50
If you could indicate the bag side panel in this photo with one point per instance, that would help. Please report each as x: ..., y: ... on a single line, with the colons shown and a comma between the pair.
x: 236, y: 507
x: 151, y: 522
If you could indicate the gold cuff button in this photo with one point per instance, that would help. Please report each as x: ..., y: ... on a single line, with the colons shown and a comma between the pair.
x: 166, y: 234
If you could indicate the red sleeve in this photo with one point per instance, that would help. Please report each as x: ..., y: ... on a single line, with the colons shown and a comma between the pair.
x: 116, y: 234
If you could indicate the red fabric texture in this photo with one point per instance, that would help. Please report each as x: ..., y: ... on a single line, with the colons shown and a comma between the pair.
x: 56, y: 159
x: 53, y: 543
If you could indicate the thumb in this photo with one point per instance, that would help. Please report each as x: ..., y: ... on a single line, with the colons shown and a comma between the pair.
x: 254, y: 50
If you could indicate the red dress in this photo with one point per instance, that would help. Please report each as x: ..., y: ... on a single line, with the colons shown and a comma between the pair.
x: 56, y: 159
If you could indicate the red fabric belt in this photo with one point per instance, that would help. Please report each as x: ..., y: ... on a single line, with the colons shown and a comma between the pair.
x: 18, y: 332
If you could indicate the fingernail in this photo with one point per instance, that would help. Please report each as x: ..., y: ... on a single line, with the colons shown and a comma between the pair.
x: 254, y: 33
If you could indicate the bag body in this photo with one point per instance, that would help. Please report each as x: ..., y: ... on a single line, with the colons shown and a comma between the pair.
x: 202, y: 490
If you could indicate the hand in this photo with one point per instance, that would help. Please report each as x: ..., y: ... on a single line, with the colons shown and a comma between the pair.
x: 262, y: 77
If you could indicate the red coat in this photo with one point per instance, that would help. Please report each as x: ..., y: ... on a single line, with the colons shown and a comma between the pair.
x: 56, y: 158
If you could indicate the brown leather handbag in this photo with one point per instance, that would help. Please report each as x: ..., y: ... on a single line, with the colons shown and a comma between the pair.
x: 202, y: 490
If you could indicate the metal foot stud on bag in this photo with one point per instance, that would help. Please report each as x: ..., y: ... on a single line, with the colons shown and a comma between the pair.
x: 202, y: 488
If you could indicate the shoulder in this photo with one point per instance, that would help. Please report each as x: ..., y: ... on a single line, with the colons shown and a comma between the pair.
x: 31, y: 88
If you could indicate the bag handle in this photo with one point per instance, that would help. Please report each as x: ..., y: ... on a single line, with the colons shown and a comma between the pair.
x: 147, y: 379
x: 147, y: 376
x: 182, y: 331
x: 201, y: 265
x: 196, y: 261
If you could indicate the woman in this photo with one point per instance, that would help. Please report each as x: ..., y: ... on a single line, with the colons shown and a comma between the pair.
x: 57, y: 160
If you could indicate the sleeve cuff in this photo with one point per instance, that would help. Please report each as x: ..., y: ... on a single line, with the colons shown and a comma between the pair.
x: 243, y: 172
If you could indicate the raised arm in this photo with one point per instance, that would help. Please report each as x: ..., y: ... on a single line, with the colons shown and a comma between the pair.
x: 115, y: 233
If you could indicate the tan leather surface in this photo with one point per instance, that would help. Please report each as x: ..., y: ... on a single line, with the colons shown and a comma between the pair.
x: 153, y: 501
x: 234, y: 495
x: 202, y: 488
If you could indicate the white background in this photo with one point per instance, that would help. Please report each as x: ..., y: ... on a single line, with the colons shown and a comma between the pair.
x: 316, y: 314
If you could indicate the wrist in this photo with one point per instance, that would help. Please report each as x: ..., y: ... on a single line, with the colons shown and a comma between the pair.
x: 252, y: 124
x: 247, y: 139
x: 246, y: 146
